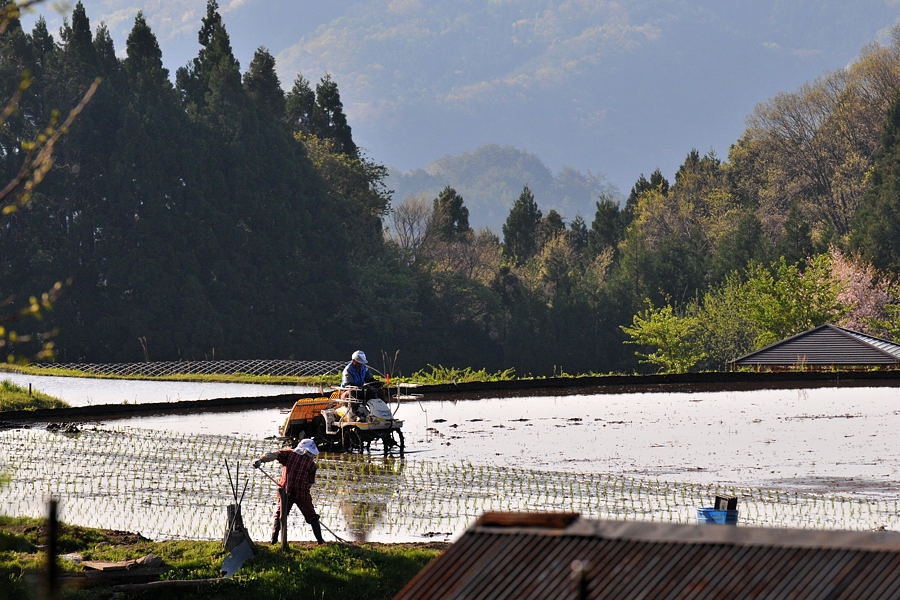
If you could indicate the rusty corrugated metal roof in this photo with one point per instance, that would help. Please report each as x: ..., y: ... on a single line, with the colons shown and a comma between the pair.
x: 825, y: 345
x: 653, y: 560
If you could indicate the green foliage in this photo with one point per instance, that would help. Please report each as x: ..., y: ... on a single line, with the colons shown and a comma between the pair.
x: 748, y: 311
x: 784, y: 299
x: 672, y: 337
x: 222, y: 218
x: 449, y: 217
x: 726, y: 331
x: 441, y: 374
x: 261, y: 82
x: 300, y: 106
x: 28, y: 140
x: 890, y: 325
x: 738, y: 245
x: 552, y: 225
x: 657, y: 182
x: 332, y: 570
x: 876, y: 230
x: 329, y: 118
x: 14, y: 397
x: 607, y: 227
x: 795, y: 242
x: 578, y: 233
x: 520, y: 232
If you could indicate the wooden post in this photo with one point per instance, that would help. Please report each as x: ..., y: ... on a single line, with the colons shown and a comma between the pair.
x: 282, y: 496
x: 52, y: 550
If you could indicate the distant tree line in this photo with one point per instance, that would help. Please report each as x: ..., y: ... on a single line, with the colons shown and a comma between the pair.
x: 190, y: 220
x: 222, y: 217
x: 800, y: 226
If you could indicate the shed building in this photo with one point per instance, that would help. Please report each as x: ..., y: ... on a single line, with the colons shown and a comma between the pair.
x: 824, y: 347
x: 561, y: 556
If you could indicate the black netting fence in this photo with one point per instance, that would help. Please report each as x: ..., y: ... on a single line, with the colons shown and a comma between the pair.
x: 288, y: 368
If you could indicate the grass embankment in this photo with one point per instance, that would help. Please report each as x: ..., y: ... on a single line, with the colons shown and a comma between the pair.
x: 306, y: 571
x: 428, y: 376
x: 14, y: 397
x: 317, y: 380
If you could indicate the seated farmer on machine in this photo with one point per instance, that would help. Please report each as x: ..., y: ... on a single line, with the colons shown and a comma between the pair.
x: 297, y: 476
x: 357, y: 374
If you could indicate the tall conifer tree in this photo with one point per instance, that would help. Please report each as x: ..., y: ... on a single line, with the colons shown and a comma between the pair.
x: 607, y: 227
x: 262, y: 83
x: 520, y: 231
x: 449, y: 216
x: 300, y: 106
x: 330, y: 120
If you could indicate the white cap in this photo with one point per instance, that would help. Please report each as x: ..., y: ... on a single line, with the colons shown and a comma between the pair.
x: 360, y: 357
x: 307, y: 446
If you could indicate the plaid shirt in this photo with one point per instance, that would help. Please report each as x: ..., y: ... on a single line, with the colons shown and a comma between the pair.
x: 298, y: 474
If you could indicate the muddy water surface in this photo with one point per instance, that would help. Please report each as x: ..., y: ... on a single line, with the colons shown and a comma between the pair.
x: 826, y: 439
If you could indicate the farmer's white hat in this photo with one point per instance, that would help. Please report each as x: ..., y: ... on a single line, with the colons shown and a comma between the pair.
x: 360, y: 357
x: 307, y: 446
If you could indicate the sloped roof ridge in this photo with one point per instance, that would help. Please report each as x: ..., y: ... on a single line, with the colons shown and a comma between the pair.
x: 892, y: 348
x: 644, y: 531
x: 880, y: 345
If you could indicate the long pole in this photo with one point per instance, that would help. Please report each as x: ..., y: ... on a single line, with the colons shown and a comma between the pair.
x: 230, y: 482
x: 260, y: 469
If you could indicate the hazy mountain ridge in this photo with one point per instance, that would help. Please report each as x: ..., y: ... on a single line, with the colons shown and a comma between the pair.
x: 611, y: 87
x: 491, y: 177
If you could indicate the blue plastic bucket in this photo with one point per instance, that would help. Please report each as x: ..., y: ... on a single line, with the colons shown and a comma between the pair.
x: 711, y: 515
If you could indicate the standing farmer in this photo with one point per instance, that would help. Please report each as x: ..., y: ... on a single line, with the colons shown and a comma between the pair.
x: 297, y: 476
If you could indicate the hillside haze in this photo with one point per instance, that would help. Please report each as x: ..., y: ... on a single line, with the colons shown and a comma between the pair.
x: 491, y: 178
x: 614, y: 89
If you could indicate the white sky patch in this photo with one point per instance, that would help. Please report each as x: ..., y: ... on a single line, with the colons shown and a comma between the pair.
x: 403, y: 7
x: 371, y: 111
x: 805, y: 52
x: 123, y: 17
x: 232, y: 5
x: 798, y: 52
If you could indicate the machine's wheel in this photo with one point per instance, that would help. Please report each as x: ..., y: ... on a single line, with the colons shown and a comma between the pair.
x: 319, y: 436
x: 350, y: 439
x: 402, y: 444
x: 387, y: 440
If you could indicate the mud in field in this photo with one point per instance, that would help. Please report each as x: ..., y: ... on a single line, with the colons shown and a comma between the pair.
x: 829, y: 440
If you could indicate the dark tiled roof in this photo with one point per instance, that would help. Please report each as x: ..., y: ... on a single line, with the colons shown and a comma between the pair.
x: 826, y: 345
x: 651, y: 560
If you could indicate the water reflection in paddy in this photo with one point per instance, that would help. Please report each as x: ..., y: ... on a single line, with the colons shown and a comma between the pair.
x: 646, y: 456
x: 79, y: 391
x: 834, y: 439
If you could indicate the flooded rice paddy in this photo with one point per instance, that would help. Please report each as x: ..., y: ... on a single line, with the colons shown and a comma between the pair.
x: 821, y: 458
x: 830, y: 440
x: 78, y: 391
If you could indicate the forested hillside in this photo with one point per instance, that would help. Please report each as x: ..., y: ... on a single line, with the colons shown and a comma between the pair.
x: 491, y: 178
x: 213, y: 214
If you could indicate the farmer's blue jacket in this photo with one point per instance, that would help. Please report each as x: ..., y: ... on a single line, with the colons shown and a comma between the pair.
x: 354, y: 376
